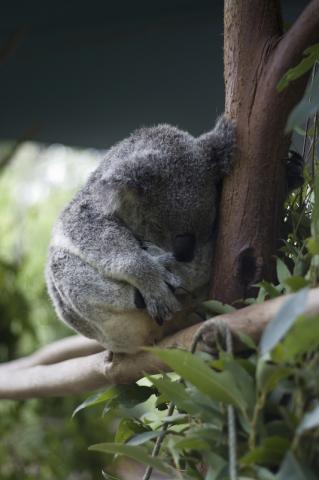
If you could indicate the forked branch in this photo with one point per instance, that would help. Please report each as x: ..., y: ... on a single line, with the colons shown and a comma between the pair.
x: 93, y: 371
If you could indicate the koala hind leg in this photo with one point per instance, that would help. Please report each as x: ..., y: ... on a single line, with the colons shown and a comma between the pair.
x: 112, y: 310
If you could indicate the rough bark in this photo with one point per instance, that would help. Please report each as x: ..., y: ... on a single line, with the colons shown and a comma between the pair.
x: 256, y: 55
x: 92, y: 371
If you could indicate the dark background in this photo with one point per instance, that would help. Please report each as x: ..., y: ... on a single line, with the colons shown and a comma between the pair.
x: 88, y: 73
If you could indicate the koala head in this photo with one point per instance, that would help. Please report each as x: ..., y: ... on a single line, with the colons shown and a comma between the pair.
x: 163, y: 182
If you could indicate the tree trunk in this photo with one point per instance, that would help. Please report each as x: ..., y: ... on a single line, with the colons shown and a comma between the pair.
x: 256, y: 56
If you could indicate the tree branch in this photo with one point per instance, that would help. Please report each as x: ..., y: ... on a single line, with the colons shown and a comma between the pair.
x: 70, y: 347
x: 302, y: 34
x: 256, y: 55
x: 87, y: 373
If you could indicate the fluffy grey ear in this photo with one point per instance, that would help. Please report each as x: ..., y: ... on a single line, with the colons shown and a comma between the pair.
x: 124, y: 183
x: 218, y: 145
x: 135, y: 174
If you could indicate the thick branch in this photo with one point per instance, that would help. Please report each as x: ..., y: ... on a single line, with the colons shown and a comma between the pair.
x: 70, y: 347
x: 304, y: 32
x: 257, y: 54
x: 78, y: 375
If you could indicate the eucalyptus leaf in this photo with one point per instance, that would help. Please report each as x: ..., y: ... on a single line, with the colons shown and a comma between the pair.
x: 246, y: 340
x: 269, y: 452
x: 268, y: 375
x: 271, y: 290
x: 315, y: 210
x: 216, y: 307
x: 302, y: 338
x: 137, y: 453
x: 313, y: 246
x: 305, y: 109
x: 220, y: 386
x: 310, y: 420
x: 264, y: 474
x: 283, y: 321
x: 282, y: 271
x: 143, y: 438
x: 192, y: 443
x: 312, y: 55
x: 97, y: 398
x: 107, y: 476
x: 127, y: 428
x: 177, y: 393
x: 296, y: 283
x: 292, y: 469
x: 216, y: 464
x: 243, y: 381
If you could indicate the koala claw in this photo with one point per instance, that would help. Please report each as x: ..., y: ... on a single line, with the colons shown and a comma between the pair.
x: 162, y: 307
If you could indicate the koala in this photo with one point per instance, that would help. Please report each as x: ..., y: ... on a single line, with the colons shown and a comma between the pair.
x: 135, y: 243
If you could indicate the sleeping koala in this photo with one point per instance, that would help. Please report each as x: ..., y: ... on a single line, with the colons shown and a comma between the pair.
x: 135, y: 242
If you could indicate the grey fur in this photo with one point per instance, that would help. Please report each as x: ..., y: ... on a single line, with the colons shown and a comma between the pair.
x: 118, y: 234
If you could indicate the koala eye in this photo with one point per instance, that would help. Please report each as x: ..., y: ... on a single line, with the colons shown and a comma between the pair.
x: 184, y: 247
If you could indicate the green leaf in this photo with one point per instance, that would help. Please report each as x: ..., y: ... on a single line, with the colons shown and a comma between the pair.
x: 283, y: 321
x: 312, y: 54
x: 143, y: 438
x: 216, y: 307
x: 124, y: 395
x: 107, y: 476
x: 219, y: 386
x: 243, y: 381
x: 191, y: 443
x: 127, y: 428
x: 215, y: 463
x: 313, y: 246
x: 137, y: 453
x: 315, y: 211
x: 296, y: 283
x: 305, y: 109
x: 177, y: 393
x: 96, y: 399
x: 310, y: 420
x: 270, y: 452
x: 302, y: 338
x: 246, y: 340
x: 264, y: 474
x: 270, y: 289
x: 269, y: 375
x: 282, y: 271
x: 292, y: 469
x: 131, y: 395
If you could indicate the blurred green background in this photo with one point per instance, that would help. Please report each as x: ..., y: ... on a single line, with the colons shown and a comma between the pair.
x: 39, y: 440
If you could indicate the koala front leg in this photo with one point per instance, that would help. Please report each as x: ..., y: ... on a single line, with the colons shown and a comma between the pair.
x: 154, y: 284
x: 113, y: 251
x: 98, y: 307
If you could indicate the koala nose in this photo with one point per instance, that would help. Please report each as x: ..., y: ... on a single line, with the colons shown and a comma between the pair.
x: 184, y: 247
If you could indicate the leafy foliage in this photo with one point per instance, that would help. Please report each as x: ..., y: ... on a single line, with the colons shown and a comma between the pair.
x: 274, y: 388
x: 275, y: 395
x: 309, y: 104
x: 311, y: 55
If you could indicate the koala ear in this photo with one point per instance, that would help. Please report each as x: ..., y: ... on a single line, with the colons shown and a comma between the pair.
x: 128, y: 180
x: 136, y: 174
x: 218, y: 146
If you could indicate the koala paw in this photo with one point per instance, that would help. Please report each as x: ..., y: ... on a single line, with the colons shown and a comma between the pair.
x: 157, y: 294
x: 161, y: 303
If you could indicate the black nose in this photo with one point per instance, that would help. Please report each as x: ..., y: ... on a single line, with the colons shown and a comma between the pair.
x: 184, y: 247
